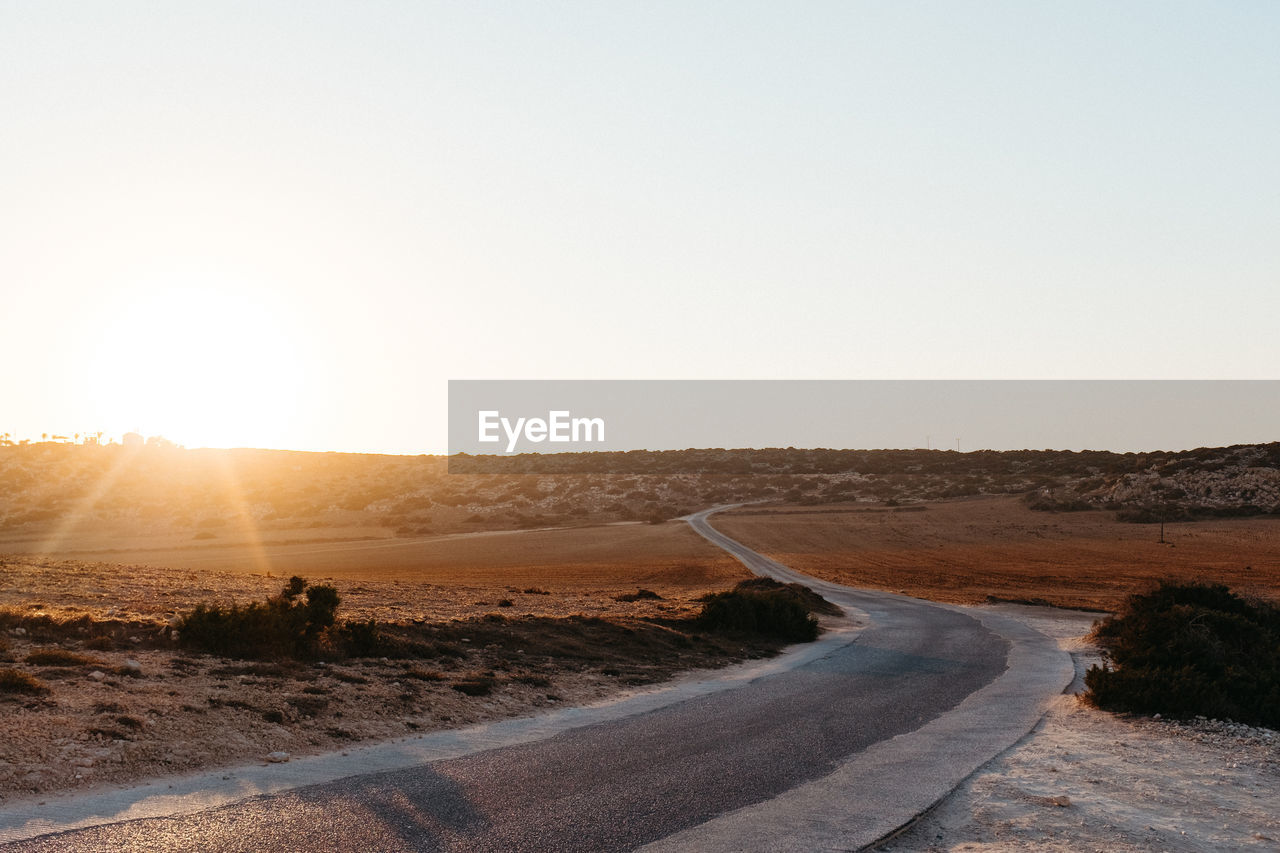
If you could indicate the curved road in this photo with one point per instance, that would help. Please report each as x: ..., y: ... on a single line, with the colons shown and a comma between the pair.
x: 835, y: 752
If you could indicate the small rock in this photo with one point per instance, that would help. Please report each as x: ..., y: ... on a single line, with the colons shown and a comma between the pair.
x: 19, y: 632
x: 132, y: 667
x: 1155, y: 716
x: 278, y: 757
x: 97, y: 675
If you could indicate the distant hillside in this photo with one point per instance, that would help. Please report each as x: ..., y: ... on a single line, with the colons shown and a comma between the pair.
x: 1203, y: 483
x: 196, y: 492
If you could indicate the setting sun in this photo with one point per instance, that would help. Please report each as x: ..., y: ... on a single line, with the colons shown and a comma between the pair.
x: 202, y: 362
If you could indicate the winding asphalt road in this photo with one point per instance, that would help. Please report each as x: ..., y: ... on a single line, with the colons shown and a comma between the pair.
x: 773, y: 765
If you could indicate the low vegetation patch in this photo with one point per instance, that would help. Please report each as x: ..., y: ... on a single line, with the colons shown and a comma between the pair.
x: 301, y: 623
x: 38, y: 626
x: 767, y: 607
x: 477, y: 686
x: 14, y: 681
x: 58, y: 657
x: 638, y: 595
x: 801, y: 594
x: 1191, y: 649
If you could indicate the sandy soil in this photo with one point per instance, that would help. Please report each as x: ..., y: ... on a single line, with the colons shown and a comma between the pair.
x: 966, y: 550
x: 1089, y: 780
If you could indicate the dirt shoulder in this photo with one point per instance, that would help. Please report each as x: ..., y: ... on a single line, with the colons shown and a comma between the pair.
x: 1086, y: 779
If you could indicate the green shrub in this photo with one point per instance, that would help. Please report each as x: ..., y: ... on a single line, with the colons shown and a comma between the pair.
x: 282, y: 626
x: 1191, y: 649
x: 362, y: 639
x: 16, y: 681
x: 770, y: 612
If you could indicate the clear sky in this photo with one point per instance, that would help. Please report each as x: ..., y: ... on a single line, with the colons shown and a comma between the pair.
x: 288, y: 224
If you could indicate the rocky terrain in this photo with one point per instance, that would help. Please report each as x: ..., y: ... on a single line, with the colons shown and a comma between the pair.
x: 1205, y: 483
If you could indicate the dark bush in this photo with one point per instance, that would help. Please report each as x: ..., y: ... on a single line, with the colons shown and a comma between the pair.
x: 770, y: 612
x: 363, y: 639
x: 804, y: 596
x: 1191, y: 649
x: 282, y: 626
x: 479, y: 686
x: 638, y: 595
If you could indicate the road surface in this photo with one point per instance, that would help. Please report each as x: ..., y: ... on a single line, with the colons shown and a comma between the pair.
x: 835, y: 752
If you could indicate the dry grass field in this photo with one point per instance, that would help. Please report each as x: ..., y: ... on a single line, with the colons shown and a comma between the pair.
x: 604, y: 558
x: 966, y: 550
x: 535, y: 620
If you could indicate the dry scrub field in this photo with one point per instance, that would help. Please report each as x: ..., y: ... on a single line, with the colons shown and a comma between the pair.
x: 966, y: 550
x: 536, y: 615
x: 597, y: 557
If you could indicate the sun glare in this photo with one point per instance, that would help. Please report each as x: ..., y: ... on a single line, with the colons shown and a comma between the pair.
x: 202, y: 363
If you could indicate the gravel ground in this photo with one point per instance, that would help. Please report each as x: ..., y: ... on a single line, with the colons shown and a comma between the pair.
x: 1089, y: 780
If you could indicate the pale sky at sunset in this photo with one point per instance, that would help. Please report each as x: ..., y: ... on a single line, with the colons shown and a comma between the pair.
x: 289, y: 224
